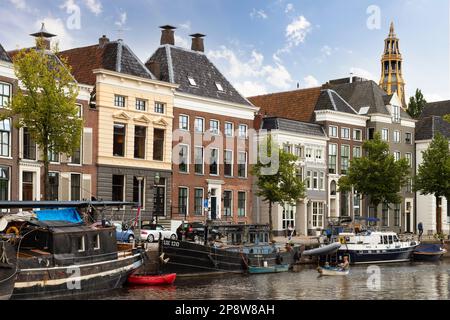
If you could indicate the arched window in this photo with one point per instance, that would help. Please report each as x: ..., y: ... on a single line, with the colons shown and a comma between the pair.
x: 333, y: 188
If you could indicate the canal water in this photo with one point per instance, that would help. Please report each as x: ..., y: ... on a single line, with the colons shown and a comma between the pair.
x: 391, y: 281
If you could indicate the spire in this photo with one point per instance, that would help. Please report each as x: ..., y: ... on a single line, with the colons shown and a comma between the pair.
x: 392, y: 31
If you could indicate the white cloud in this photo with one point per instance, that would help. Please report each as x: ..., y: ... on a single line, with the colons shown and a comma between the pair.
x: 289, y: 8
x: 181, y: 41
x: 359, y: 72
x: 19, y: 4
x: 186, y: 25
x: 95, y: 6
x: 326, y: 50
x: 258, y: 14
x: 57, y: 26
x: 310, y: 82
x: 297, y: 30
x: 122, y: 20
x: 252, y: 76
x: 433, y: 97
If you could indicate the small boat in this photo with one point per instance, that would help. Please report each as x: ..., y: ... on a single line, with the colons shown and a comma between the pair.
x: 428, y: 252
x: 269, y: 269
x: 323, y: 250
x: 333, y: 271
x: 153, y: 280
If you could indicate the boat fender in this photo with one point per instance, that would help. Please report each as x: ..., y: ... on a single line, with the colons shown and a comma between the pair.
x: 13, y: 230
x: 342, y: 240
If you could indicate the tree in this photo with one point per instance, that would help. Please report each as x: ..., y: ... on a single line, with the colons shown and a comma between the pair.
x: 416, y: 104
x: 434, y: 174
x: 281, y: 186
x: 47, y: 104
x: 447, y: 118
x: 376, y: 175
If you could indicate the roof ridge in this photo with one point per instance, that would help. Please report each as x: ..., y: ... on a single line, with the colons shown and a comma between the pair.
x: 286, y: 92
x: 138, y: 60
x: 170, y: 64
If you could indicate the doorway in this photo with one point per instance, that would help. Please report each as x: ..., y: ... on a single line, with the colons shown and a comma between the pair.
x: 213, y: 208
x: 27, y: 186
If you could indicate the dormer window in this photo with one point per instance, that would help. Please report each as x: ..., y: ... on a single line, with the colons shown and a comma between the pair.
x: 192, y: 81
x: 219, y: 86
x: 396, y: 114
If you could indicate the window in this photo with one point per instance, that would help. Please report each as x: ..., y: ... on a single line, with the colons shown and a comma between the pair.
x: 315, y: 180
x: 288, y: 216
x: 408, y: 139
x: 140, y: 135
x: 228, y: 163
x: 119, y: 140
x: 29, y: 146
x: 53, y: 156
x: 80, y: 110
x: 75, y: 187
x: 317, y: 215
x: 356, y: 204
x: 409, y: 185
x: 321, y: 181
x: 136, y: 191
x: 229, y: 129
x: 192, y: 81
x: 287, y: 148
x: 214, y: 162
x: 385, y: 134
x: 199, y: 125
x: 241, y: 204
x: 184, y: 159
x: 76, y: 155
x: 81, y: 246
x: 308, y: 153
x: 357, y: 135
x: 183, y: 201
x: 160, y: 107
x: 397, y: 215
x: 397, y: 155
x: 219, y: 86
x: 408, y: 157
x: 118, y: 184
x: 228, y: 203
x: 333, y: 188
x: 396, y: 114
x: 4, y: 184
x: 119, y: 101
x: 242, y: 131
x: 184, y: 122
x: 5, y: 137
x: 333, y: 131
x: 242, y: 165
x: 198, y: 202
x: 371, y: 133
x: 385, y: 215
x: 308, y: 180
x: 397, y: 136
x: 158, y: 144
x: 345, y: 133
x: 214, y: 126
x: 356, y: 152
x: 141, y: 105
x: 332, y: 158
x: 5, y: 94
x: 53, y: 190
x: 96, y: 242
x: 345, y: 158
x: 198, y: 160
x: 318, y: 154
x: 298, y: 151
x: 345, y: 212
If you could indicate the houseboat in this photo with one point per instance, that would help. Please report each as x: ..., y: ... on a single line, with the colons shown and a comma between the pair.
x: 59, y: 255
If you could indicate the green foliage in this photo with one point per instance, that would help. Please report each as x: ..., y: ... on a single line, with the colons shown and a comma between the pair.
x: 46, y: 105
x: 434, y: 172
x: 376, y: 175
x: 447, y: 118
x: 416, y: 104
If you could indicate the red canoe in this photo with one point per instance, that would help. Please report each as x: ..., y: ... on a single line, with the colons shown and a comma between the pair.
x: 152, y: 280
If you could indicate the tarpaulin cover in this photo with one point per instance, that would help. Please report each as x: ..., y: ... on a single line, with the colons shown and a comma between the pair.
x: 69, y: 214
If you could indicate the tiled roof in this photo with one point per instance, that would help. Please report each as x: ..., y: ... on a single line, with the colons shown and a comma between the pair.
x: 275, y: 123
x: 113, y: 56
x: 440, y: 108
x: 297, y: 105
x: 177, y: 64
x: 330, y: 100
x: 3, y: 55
x: 427, y: 127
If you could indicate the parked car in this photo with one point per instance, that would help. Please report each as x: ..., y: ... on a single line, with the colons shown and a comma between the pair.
x: 151, y: 232
x: 196, y: 230
x: 123, y: 232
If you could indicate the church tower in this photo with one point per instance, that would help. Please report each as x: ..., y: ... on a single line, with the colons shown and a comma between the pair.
x: 392, y: 67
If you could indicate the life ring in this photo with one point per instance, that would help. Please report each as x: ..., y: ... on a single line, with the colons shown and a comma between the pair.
x: 12, y: 230
x: 342, y: 240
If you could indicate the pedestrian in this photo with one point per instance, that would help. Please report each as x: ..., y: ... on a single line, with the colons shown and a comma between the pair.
x: 290, y: 231
x: 420, y: 227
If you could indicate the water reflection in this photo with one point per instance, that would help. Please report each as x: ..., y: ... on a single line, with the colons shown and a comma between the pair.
x: 398, y: 281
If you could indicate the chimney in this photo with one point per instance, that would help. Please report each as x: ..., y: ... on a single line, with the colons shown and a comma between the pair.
x: 167, y: 35
x: 43, y: 38
x: 155, y: 68
x: 197, y: 42
x: 103, y: 41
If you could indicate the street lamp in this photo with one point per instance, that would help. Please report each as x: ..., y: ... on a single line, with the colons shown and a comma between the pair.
x: 140, y: 179
x: 156, y: 183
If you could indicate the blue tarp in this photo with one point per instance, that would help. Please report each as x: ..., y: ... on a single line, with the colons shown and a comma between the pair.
x: 69, y: 215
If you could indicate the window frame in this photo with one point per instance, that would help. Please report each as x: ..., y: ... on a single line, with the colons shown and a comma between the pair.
x: 195, y: 125
x: 344, y: 169
x: 186, y: 213
x: 331, y: 129
x: 162, y: 158
x: 9, y: 133
x: 187, y: 156
x: 216, y: 131
x: 142, y: 144
x: 117, y: 102
x: 158, y: 106
x: 202, y: 201
x: 239, y: 202
x: 240, y: 136
x: 345, y: 129
x: 203, y: 160
x: 225, y: 164
x: 138, y: 107
x: 114, y: 186
x: 180, y: 122
x: 217, y: 150
x: 385, y: 130
x: 72, y: 187
x: 240, y: 164
x: 124, y: 144
x: 355, y: 131
x: 3, y: 96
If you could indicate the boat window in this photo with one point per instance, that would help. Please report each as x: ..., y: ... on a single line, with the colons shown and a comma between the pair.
x: 396, y: 239
x: 381, y: 239
x: 385, y: 239
x: 390, y: 240
x: 80, y: 244
x: 96, y: 242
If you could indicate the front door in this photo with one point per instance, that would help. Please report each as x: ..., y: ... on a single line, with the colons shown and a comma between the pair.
x: 408, y: 222
x: 27, y: 186
x: 213, y: 208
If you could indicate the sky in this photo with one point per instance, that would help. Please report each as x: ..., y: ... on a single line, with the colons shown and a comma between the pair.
x: 262, y: 46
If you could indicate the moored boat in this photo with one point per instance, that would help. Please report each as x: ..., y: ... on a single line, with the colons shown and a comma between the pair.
x: 268, y: 269
x: 333, y: 271
x: 8, y: 269
x: 428, y: 252
x: 152, y: 280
